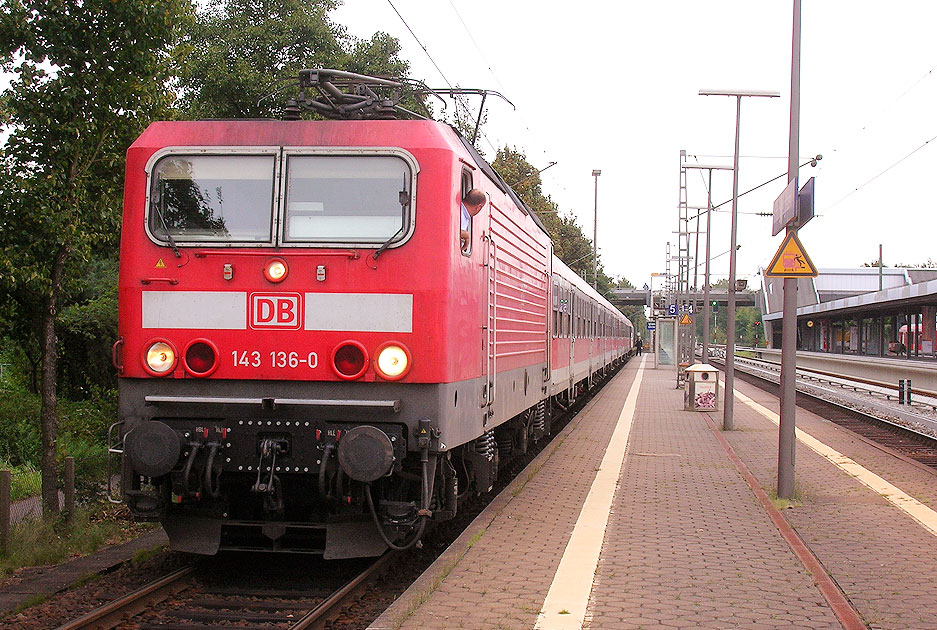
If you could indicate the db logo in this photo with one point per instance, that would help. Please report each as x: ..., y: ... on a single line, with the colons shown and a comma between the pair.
x: 276, y: 310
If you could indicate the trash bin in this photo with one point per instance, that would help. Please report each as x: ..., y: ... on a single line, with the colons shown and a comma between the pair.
x: 702, y: 388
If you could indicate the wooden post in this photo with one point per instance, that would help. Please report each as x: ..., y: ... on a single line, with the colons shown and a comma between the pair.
x: 6, y: 480
x: 69, y: 490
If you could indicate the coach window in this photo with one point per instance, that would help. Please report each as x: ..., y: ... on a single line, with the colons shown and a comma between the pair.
x: 567, y: 315
x: 556, y: 310
x: 205, y: 198
x: 347, y: 199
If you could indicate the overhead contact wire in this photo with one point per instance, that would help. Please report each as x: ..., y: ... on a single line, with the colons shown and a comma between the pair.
x: 854, y: 191
x: 455, y: 98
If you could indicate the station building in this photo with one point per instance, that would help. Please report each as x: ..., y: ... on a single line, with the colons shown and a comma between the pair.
x: 890, y: 312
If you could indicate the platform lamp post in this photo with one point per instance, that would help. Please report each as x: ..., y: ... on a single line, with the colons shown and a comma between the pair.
x: 709, y: 212
x: 728, y: 408
x: 595, y: 233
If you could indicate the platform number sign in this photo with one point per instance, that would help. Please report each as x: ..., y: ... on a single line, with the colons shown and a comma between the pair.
x: 652, y: 325
x: 672, y: 309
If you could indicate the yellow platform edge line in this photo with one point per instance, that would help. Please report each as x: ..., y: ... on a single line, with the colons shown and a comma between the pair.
x: 924, y: 515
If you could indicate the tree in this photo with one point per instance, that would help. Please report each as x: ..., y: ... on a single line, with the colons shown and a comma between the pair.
x: 88, y: 76
x: 570, y: 244
x: 930, y: 264
x: 241, y: 58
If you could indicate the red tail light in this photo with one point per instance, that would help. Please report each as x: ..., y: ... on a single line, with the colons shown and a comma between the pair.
x: 350, y: 360
x: 201, y: 358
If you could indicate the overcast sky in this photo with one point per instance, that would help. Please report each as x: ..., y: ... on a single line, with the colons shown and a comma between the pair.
x: 615, y: 86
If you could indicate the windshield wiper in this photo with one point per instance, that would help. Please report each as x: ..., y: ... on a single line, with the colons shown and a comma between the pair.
x: 154, y: 205
x: 387, y: 243
x: 403, y: 198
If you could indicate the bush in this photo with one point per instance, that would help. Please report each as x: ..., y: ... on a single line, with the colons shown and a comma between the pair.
x: 25, y: 480
x: 20, y: 443
x: 90, y: 466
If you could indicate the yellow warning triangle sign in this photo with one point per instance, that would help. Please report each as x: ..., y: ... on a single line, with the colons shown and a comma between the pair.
x: 160, y: 264
x: 686, y: 320
x: 791, y: 260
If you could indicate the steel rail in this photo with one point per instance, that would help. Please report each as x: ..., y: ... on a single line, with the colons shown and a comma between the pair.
x: 919, y: 391
x: 118, y: 611
x: 896, y: 426
x: 317, y: 617
x: 844, y: 381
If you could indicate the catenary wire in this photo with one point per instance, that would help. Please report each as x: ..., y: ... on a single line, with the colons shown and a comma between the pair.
x: 488, y: 64
x: 872, y: 179
x: 455, y: 98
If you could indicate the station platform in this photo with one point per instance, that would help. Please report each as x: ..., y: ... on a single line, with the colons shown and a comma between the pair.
x: 642, y: 515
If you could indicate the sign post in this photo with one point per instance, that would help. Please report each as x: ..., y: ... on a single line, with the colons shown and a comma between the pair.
x: 786, y: 426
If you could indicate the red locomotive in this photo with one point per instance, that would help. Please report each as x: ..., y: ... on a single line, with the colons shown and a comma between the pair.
x: 309, y: 360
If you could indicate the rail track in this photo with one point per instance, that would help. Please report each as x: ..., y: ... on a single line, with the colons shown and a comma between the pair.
x: 904, y: 432
x: 213, y: 594
x: 287, y: 592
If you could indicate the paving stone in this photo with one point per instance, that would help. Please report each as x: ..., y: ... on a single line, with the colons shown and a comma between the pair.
x: 687, y: 543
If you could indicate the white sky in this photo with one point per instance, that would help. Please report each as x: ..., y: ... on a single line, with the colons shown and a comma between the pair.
x: 614, y: 85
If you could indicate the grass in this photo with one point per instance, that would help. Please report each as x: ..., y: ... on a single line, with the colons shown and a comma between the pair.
x: 26, y: 481
x: 40, y: 542
x: 784, y: 504
x: 32, y: 600
x: 145, y: 554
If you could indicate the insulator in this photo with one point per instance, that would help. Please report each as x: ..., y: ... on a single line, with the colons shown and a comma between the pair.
x: 292, y: 111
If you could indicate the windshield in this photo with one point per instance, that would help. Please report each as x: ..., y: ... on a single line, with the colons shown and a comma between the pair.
x: 211, y: 198
x: 348, y: 199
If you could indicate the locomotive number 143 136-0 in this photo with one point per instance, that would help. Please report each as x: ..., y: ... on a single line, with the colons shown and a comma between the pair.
x: 274, y: 358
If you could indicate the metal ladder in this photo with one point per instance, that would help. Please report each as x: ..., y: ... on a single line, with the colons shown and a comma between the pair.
x: 491, y: 361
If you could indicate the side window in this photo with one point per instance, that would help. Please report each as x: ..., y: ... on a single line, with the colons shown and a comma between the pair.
x: 556, y: 310
x: 465, y: 219
x: 566, y: 313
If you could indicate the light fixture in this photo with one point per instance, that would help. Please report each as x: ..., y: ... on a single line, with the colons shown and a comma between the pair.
x: 393, y: 361
x: 349, y: 360
x: 200, y: 358
x: 276, y: 270
x: 159, y: 358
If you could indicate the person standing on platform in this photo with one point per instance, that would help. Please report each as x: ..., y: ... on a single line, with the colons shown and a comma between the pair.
x: 639, y: 345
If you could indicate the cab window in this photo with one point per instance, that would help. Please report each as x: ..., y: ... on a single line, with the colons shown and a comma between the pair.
x: 211, y: 198
x: 347, y: 199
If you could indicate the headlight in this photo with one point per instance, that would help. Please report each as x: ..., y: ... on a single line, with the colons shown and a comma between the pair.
x: 393, y: 361
x: 276, y: 270
x: 160, y: 358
